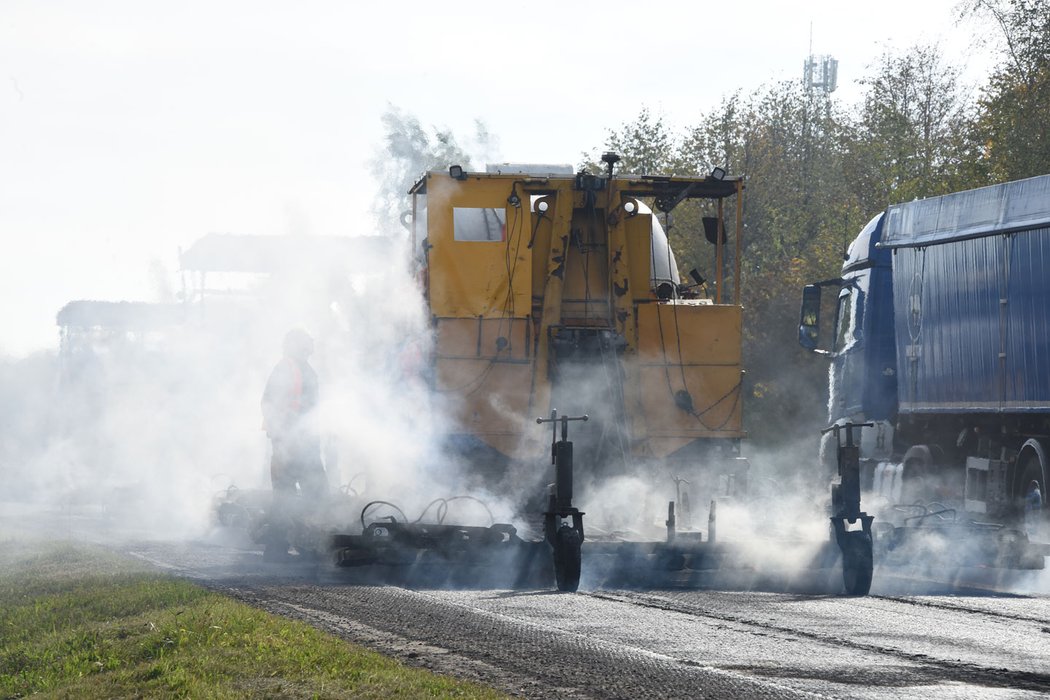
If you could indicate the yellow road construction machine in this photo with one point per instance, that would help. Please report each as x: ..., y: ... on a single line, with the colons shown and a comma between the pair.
x: 555, y: 297
x: 555, y: 290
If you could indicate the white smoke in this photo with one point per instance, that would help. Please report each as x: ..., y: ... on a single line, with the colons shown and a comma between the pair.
x: 145, y: 428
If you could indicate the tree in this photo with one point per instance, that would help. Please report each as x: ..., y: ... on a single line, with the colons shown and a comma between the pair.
x: 1012, y: 120
x: 410, y: 150
x: 910, y: 137
x: 716, y: 140
x: 645, y: 145
x: 817, y: 172
x: 795, y: 207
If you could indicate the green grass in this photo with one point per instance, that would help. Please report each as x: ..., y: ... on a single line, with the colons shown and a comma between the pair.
x: 78, y: 622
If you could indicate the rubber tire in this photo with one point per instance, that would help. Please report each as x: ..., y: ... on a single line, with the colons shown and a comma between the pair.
x: 568, y: 559
x: 1031, y: 469
x: 233, y: 515
x: 858, y: 563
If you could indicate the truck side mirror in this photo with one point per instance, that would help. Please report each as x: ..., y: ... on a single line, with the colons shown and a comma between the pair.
x: 711, y: 230
x: 809, y: 318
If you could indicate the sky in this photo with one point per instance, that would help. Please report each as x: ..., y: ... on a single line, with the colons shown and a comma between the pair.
x: 129, y: 129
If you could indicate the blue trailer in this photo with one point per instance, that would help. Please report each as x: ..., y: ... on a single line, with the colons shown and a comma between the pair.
x: 941, y: 343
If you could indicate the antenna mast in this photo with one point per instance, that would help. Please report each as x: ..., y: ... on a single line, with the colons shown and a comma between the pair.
x: 820, y: 73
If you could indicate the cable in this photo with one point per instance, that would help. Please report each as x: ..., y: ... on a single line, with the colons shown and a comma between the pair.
x: 674, y: 306
x: 514, y: 230
x: 698, y: 415
x: 476, y: 382
x: 735, y: 393
x: 611, y: 367
x: 472, y: 385
x: 348, y: 489
x: 663, y: 350
x: 442, y: 510
x: 535, y: 228
x: 585, y: 254
x: 492, y: 519
x: 384, y: 503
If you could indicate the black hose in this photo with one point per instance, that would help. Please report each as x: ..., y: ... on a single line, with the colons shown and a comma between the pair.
x: 441, y: 511
x: 492, y: 519
x: 383, y: 503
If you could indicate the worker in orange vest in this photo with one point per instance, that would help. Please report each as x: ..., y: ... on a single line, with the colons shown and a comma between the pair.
x: 296, y: 471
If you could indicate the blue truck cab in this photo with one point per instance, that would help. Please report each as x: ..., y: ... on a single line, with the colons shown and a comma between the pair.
x: 941, y: 341
x: 862, y: 378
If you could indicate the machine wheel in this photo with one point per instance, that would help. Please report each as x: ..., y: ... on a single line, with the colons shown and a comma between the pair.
x: 233, y: 515
x: 568, y: 558
x: 857, y: 563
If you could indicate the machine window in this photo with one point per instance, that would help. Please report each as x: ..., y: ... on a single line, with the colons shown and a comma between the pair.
x: 479, y: 225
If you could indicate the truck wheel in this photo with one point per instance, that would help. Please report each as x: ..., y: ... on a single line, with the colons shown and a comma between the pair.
x: 857, y: 563
x: 919, y: 465
x: 1032, y: 467
x: 568, y: 559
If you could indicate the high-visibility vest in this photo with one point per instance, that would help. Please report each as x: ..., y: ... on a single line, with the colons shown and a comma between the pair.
x: 295, y: 402
x: 295, y: 396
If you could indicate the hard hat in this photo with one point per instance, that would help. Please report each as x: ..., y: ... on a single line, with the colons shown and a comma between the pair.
x: 298, y: 344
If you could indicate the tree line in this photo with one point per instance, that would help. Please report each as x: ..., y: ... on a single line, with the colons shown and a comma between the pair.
x: 817, y: 170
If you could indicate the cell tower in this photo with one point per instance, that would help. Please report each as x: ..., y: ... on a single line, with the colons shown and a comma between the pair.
x: 820, y: 72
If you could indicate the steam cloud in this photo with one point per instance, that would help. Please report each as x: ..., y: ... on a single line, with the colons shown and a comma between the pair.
x: 146, y: 429
x: 146, y: 426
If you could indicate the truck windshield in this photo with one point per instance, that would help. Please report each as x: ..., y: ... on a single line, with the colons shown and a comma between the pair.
x: 844, y: 323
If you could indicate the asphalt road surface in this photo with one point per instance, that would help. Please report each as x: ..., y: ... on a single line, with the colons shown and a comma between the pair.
x: 910, y: 639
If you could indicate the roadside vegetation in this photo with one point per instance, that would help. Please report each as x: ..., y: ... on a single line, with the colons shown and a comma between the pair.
x: 84, y: 623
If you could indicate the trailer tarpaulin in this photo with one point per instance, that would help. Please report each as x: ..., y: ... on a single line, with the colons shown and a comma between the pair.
x: 1011, y: 207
